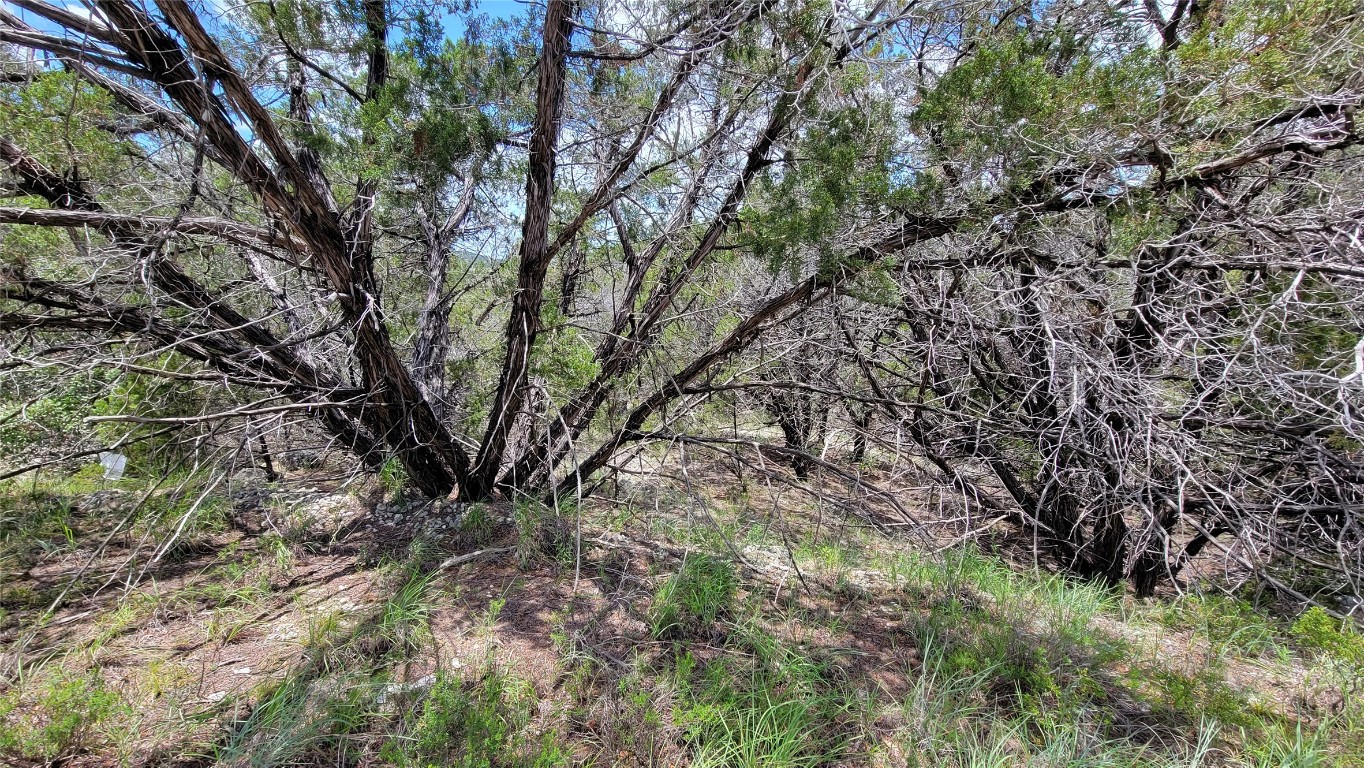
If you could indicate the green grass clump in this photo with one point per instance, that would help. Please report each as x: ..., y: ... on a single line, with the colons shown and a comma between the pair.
x: 1295, y: 747
x: 765, y: 705
x: 950, y: 721
x: 303, y: 720
x: 477, y: 523
x: 331, y: 705
x: 542, y: 531
x: 693, y: 598
x: 482, y: 723
x: 403, y: 620
x: 1229, y: 625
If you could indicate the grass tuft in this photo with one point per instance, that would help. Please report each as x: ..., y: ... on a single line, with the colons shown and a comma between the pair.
x: 693, y: 598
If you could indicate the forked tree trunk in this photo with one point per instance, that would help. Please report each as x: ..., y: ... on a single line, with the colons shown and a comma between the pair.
x: 523, y: 325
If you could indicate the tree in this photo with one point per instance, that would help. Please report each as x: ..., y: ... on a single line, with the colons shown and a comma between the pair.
x: 165, y: 69
x: 1092, y: 266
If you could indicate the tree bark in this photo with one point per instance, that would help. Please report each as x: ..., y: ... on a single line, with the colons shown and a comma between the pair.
x: 523, y: 326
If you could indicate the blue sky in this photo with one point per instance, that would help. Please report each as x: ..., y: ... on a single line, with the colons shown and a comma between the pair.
x: 494, y: 9
x: 502, y: 9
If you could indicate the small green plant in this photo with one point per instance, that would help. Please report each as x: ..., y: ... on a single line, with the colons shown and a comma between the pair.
x: 301, y: 720
x: 402, y: 623
x: 541, y: 531
x: 1316, y: 629
x: 1228, y: 624
x: 476, y: 724
x: 763, y: 731
x: 1294, y: 747
x: 693, y: 598
x: 324, y: 631
x: 477, y: 524
x: 393, y: 478
x: 63, y: 719
x: 132, y: 611
x: 770, y: 706
x: 1204, y: 693
x: 277, y: 550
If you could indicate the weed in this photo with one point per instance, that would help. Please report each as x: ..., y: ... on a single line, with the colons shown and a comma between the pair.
x: 476, y: 724
x: 1203, y: 694
x: 324, y: 631
x: 301, y: 717
x: 541, y: 531
x: 393, y: 478
x: 763, y: 729
x: 225, y: 625
x: 131, y: 612
x: 1294, y: 747
x: 1229, y: 625
x: 277, y: 549
x: 164, y: 676
x: 402, y: 623
x: 66, y: 716
x: 775, y: 707
x: 477, y: 524
x: 1315, y: 629
x: 693, y: 598
x: 494, y: 612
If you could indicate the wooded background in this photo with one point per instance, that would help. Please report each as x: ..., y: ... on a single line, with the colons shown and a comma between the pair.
x: 1092, y: 269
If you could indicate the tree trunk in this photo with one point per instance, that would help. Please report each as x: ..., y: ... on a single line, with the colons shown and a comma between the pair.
x: 524, y: 323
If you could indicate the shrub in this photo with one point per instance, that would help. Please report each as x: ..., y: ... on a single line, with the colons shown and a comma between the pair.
x: 60, y: 723
x: 1316, y: 629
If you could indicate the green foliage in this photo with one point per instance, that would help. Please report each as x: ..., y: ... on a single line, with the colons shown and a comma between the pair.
x: 435, y: 118
x: 1197, y: 694
x: 1316, y: 629
x: 148, y: 396
x: 393, y: 478
x: 1247, y: 60
x: 842, y: 168
x: 693, y: 598
x: 65, y: 716
x: 57, y: 117
x: 33, y: 521
x: 482, y: 723
x: 769, y: 705
x: 563, y: 355
x: 56, y: 418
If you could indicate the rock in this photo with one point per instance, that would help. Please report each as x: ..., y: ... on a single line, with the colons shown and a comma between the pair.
x: 398, y: 689
x: 248, y: 478
x: 112, y: 500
